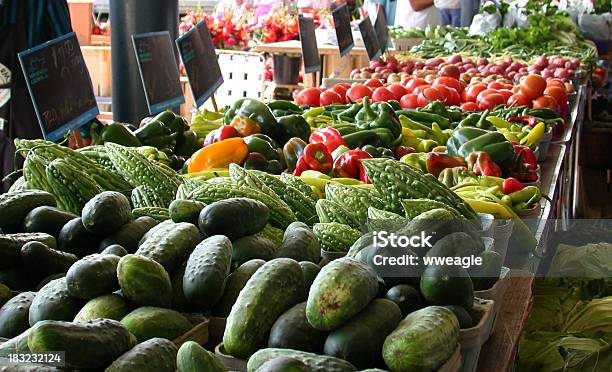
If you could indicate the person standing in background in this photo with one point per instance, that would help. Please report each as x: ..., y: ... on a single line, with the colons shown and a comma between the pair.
x: 417, y: 13
x: 450, y: 10
x: 23, y: 25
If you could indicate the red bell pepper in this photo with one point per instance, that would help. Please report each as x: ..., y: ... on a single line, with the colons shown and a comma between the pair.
x: 317, y: 157
x: 403, y: 150
x: 511, y: 185
x: 329, y: 136
x: 530, y: 120
x: 219, y: 134
x: 481, y: 164
x: 437, y: 162
x: 525, y: 155
x: 349, y: 164
x: 300, y: 166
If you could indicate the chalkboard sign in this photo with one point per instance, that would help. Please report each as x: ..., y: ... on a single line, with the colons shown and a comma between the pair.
x: 369, y: 39
x: 158, y: 70
x: 380, y: 26
x: 342, y: 23
x: 310, y: 51
x: 59, y: 85
x: 200, y: 60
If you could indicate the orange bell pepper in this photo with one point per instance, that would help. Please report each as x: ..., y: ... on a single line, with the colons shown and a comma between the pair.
x: 219, y: 155
x: 245, y: 125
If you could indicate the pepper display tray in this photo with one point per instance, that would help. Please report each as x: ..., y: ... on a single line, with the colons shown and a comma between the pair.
x: 472, y: 339
x: 496, y: 293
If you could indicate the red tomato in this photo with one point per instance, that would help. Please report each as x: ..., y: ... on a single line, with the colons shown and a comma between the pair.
x: 452, y: 98
x: 428, y: 95
x: 308, y: 96
x: 373, y: 83
x: 558, y: 93
x: 516, y: 89
x: 450, y: 70
x: 490, y: 101
x: 464, y: 96
x: 473, y: 91
x: 546, y: 102
x: 484, y: 93
x: 555, y: 82
x: 357, y: 92
x: 496, y: 85
x: 409, y: 100
x: 412, y: 84
x: 329, y: 97
x: 443, y: 89
x: 397, y: 90
x: 420, y: 88
x: 449, y: 82
x: 406, y: 80
x: 341, y: 90
x: 533, y: 86
x: 469, y: 106
x: 506, y: 93
x: 518, y: 99
x: 344, y: 85
x: 382, y: 94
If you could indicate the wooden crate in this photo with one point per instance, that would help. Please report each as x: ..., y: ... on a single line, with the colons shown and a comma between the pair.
x: 81, y: 19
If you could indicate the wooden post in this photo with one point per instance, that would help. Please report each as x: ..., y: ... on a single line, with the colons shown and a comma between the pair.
x: 214, y: 103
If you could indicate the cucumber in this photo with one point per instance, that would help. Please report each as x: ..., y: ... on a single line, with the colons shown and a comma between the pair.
x: 115, y: 249
x: 310, y: 270
x: 149, y: 322
x: 234, y: 218
x: 46, y: 219
x: 252, y: 247
x: 192, y: 357
x: 486, y: 275
x: 274, y: 288
x: 92, y: 276
x: 46, y: 280
x: 300, y: 243
x: 129, y: 234
x: 16, y: 205
x: 179, y: 302
x: 206, y: 273
x: 14, y: 315
x: 156, y: 354
x: 74, y: 238
x: 235, y: 282
x: 458, y: 244
x: 292, y: 331
x: 53, y: 302
x: 423, y: 341
x: 110, y: 306
x: 10, y: 247
x: 144, y: 282
x: 45, y: 261
x: 314, y: 362
x: 284, y: 364
x: 171, y: 245
x: 185, y: 210
x: 447, y: 285
x: 154, y: 230
x: 342, y: 289
x: 90, y: 345
x: 406, y: 297
x: 106, y: 212
x: 360, y: 340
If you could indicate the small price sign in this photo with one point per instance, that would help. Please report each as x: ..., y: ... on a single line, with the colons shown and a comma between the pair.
x: 370, y: 40
x: 310, y: 50
x: 342, y: 23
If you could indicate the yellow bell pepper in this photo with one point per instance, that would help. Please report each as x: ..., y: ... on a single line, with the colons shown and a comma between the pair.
x: 218, y: 155
x: 535, y: 135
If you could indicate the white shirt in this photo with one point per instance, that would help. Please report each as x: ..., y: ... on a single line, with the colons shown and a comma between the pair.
x: 447, y: 4
x: 407, y: 17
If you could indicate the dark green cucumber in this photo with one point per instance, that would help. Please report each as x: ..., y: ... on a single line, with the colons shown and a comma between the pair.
x: 406, y: 297
x: 171, y: 245
x: 74, y: 238
x: 234, y: 218
x: 154, y: 230
x: 15, y: 206
x: 106, y: 212
x: 300, y: 243
x: 314, y: 362
x: 179, y: 302
x: 129, y: 234
x: 343, y: 288
x: 150, y: 322
x: 115, y: 249
x: 155, y: 354
x: 90, y: 345
x: 192, y: 357
x: 292, y: 331
x: 45, y: 261
x: 53, y: 302
x: 184, y: 210
x: 92, y: 276
x: 10, y: 246
x: 110, y: 306
x: 144, y: 282
x: 207, y: 269
x: 485, y: 276
x: 252, y: 247
x: 46, y: 219
x: 360, y: 340
x: 14, y: 315
x: 311, y: 270
x: 447, y: 285
x: 235, y: 282
x: 458, y: 244
x: 285, y: 364
x: 274, y: 288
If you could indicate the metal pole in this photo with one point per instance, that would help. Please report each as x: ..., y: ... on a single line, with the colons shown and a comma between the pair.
x: 133, y: 17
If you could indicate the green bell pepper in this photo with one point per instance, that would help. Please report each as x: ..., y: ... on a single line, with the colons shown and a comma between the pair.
x: 383, y: 117
x: 284, y: 105
x: 260, y: 145
x: 292, y: 150
x: 467, y: 140
x: 162, y: 142
x: 425, y: 117
x: 166, y: 117
x: 460, y: 136
x: 187, y: 144
x: 256, y: 111
x: 178, y: 125
x: 153, y: 128
x: 372, y: 150
x: 118, y: 133
x: 469, y: 121
x: 362, y: 138
x: 292, y: 126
